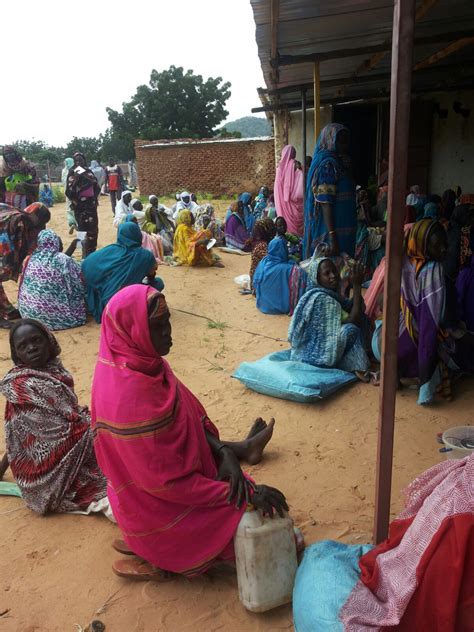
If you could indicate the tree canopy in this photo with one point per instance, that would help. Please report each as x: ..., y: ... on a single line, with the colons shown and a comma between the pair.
x: 175, y: 104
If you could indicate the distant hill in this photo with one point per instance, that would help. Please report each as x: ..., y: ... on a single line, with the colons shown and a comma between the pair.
x: 250, y: 126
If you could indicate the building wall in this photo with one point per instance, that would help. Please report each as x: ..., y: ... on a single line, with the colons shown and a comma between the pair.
x: 295, y: 127
x: 224, y: 167
x: 452, y: 148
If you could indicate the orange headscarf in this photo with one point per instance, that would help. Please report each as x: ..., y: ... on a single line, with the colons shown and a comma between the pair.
x: 417, y: 241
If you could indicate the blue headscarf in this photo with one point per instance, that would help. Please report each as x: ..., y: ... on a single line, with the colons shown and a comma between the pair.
x: 272, y: 279
x: 245, y: 198
x: 114, y: 267
x: 325, y: 151
x: 431, y: 211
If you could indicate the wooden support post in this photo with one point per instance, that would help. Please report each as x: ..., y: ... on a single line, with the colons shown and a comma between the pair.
x: 402, y: 62
x: 317, y: 102
x: 303, y: 131
x: 274, y: 18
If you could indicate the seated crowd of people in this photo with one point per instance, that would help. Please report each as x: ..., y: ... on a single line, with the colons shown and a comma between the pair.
x: 310, y: 261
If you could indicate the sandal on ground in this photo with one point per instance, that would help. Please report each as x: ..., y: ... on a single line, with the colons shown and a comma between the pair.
x: 121, y: 547
x: 140, y: 570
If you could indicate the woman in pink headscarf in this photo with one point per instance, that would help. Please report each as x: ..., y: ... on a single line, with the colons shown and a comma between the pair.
x: 288, y: 191
x: 170, y: 477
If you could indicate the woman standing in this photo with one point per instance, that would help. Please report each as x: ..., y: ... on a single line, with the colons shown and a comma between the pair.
x: 71, y: 220
x: 288, y: 190
x: 83, y: 191
x: 330, y: 205
x: 19, y: 184
x: 18, y: 234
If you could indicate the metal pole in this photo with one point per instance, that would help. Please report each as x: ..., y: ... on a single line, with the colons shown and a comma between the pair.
x: 402, y: 63
x: 317, y: 101
x: 303, y: 131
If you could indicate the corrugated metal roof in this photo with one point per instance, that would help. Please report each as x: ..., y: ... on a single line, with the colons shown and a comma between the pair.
x: 323, y: 26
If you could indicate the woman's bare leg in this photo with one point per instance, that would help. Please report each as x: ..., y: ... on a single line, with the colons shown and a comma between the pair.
x: 3, y: 465
x: 251, y: 449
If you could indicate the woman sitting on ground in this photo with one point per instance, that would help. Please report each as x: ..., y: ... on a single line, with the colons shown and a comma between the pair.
x: 51, y: 288
x: 400, y: 584
x: 293, y: 242
x: 263, y: 232
x: 158, y: 222
x: 325, y: 330
x: 48, y: 434
x: 278, y: 283
x: 189, y: 246
x: 236, y: 233
x: 151, y: 242
x: 423, y: 346
x: 114, y: 267
x: 122, y: 208
x: 168, y: 482
x: 206, y: 219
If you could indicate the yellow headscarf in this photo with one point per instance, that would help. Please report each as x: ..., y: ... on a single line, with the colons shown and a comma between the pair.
x: 185, y: 217
x: 417, y: 242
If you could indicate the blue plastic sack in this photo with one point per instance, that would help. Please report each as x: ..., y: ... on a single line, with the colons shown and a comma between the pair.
x: 324, y: 580
x: 278, y: 376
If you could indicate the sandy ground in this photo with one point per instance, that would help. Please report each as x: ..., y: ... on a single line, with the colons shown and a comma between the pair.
x: 55, y: 571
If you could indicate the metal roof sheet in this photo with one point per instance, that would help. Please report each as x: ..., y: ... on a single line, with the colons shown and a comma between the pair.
x: 323, y: 26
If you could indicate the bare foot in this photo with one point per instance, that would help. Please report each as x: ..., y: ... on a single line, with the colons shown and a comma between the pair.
x: 257, y: 443
x: 219, y: 264
x: 258, y: 425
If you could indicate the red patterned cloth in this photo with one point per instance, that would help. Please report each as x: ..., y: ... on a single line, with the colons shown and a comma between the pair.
x: 49, y: 440
x: 421, y: 578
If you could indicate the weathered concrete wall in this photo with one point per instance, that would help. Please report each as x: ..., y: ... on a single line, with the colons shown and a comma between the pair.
x: 220, y: 167
x: 452, y: 148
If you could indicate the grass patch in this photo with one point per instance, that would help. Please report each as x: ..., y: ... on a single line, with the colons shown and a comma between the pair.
x: 217, y: 324
x: 58, y: 193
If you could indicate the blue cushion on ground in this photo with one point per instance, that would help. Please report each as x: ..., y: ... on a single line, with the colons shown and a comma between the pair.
x: 278, y: 376
x: 324, y: 580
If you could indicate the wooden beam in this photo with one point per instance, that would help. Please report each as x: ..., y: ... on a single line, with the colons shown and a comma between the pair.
x: 317, y: 102
x: 274, y: 18
x: 449, y: 70
x: 290, y: 60
x: 375, y: 60
x: 402, y: 64
x: 444, y: 52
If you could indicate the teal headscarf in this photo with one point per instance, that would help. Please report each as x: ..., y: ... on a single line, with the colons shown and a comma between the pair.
x: 114, y: 267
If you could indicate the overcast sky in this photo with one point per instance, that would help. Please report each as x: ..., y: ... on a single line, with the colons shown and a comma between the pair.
x: 69, y: 61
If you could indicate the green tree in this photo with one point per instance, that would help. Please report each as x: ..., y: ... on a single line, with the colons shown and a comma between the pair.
x: 117, y: 146
x: 91, y: 147
x: 39, y: 152
x: 176, y: 104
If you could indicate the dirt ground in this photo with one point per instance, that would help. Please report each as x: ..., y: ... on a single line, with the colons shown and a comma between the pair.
x: 55, y: 571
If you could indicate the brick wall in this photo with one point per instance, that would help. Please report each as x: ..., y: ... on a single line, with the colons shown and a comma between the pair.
x: 220, y: 167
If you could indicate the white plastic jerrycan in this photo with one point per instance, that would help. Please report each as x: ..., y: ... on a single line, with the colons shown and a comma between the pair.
x: 265, y: 552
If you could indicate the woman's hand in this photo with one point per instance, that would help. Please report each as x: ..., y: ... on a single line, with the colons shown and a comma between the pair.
x: 357, y: 274
x: 333, y: 249
x: 229, y: 469
x: 269, y: 499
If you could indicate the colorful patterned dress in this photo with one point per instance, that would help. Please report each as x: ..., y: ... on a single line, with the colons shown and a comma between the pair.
x: 52, y: 290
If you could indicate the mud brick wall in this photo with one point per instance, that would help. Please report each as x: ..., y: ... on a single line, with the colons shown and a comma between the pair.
x: 219, y: 167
